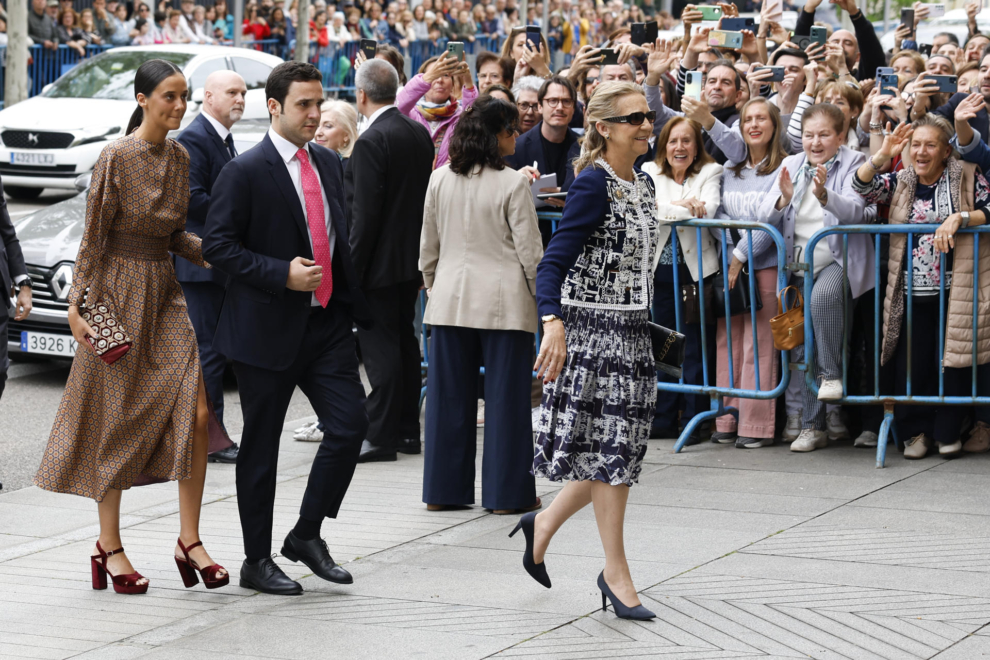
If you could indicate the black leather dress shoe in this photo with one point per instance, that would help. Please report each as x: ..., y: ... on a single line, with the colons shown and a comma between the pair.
x: 268, y: 578
x: 409, y: 446
x: 316, y: 555
x: 228, y: 455
x: 372, y: 454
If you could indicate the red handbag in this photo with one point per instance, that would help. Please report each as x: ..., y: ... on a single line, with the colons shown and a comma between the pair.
x: 112, y: 342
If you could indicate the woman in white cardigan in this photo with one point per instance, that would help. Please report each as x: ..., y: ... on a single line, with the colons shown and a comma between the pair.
x: 688, y: 185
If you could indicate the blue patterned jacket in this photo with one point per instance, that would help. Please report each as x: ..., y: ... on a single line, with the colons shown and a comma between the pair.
x: 601, y: 255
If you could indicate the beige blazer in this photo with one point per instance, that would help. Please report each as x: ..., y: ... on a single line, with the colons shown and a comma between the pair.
x: 479, y: 250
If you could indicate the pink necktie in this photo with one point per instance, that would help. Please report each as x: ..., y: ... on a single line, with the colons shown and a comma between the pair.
x: 317, y: 225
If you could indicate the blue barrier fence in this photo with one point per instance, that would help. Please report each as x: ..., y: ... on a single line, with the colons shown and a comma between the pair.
x: 889, y: 399
x: 336, y: 62
x: 715, y: 393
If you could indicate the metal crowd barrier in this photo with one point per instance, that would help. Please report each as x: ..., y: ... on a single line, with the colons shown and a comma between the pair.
x: 715, y: 393
x: 336, y: 62
x: 888, y: 400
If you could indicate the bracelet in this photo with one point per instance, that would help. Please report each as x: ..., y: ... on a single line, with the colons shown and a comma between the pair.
x: 876, y: 126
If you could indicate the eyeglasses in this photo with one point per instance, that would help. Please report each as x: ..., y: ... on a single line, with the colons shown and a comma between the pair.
x: 528, y: 107
x: 553, y: 103
x: 589, y: 81
x: 635, y: 119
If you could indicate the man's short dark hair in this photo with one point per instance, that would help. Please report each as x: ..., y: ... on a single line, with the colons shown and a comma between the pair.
x: 729, y: 65
x: 948, y: 35
x: 556, y: 80
x: 793, y: 52
x: 286, y: 73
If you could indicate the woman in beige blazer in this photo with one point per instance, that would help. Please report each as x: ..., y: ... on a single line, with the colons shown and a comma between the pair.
x: 479, y: 251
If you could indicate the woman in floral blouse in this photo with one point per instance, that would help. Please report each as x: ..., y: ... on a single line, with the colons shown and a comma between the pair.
x: 937, y: 189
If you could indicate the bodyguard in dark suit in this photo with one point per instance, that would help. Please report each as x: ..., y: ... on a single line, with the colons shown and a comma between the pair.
x: 15, y: 282
x: 210, y: 146
x: 385, y: 182
x: 277, y: 227
x: 551, y: 143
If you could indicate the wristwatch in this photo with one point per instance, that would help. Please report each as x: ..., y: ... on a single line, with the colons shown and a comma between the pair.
x: 549, y: 317
x: 965, y: 217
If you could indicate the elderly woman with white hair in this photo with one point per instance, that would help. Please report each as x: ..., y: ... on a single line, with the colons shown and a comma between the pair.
x: 337, y: 30
x: 527, y: 93
x: 338, y: 128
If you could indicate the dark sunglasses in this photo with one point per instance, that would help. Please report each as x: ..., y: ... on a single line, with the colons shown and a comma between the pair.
x: 635, y: 119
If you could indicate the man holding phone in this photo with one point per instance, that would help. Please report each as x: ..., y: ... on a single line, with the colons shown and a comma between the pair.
x: 980, y: 121
x: 721, y: 90
x: 862, y: 50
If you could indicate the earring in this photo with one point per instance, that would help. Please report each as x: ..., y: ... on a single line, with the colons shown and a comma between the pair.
x: 607, y: 136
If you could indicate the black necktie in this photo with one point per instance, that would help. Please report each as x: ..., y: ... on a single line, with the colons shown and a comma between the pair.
x: 230, y: 145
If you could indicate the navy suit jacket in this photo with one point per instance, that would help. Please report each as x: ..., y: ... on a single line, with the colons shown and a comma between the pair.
x: 529, y: 148
x: 207, y: 156
x: 255, y: 227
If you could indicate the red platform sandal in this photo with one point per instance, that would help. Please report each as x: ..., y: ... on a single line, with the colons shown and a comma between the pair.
x: 187, y: 569
x: 122, y: 584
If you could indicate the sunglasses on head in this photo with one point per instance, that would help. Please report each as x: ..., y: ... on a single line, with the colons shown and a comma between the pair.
x: 635, y: 119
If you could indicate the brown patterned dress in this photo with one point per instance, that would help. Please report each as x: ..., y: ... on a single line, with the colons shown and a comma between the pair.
x: 132, y: 422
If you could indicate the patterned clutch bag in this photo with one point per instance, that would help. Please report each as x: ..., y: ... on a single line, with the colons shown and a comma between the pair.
x: 112, y: 341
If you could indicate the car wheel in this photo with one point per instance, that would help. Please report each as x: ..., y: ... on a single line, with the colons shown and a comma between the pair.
x: 22, y: 192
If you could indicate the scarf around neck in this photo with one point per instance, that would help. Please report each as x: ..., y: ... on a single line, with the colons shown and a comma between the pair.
x: 804, y: 177
x: 437, y: 111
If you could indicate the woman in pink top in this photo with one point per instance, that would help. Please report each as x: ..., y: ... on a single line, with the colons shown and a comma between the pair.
x: 427, y: 99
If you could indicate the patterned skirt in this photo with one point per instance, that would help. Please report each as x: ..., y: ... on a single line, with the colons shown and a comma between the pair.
x: 595, y: 418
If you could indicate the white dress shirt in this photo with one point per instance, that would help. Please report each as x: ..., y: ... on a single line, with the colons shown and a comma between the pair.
x: 221, y: 130
x: 287, y: 151
x: 364, y: 123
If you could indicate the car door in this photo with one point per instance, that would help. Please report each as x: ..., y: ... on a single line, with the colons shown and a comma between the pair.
x: 255, y: 76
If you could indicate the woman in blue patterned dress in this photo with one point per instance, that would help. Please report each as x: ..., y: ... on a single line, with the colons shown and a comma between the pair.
x: 593, y: 291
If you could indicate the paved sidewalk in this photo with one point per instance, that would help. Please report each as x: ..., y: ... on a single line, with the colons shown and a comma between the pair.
x: 743, y: 554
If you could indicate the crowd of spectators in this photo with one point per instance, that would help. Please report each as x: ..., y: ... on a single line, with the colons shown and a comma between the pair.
x: 822, y: 146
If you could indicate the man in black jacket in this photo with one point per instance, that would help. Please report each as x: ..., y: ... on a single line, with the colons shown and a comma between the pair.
x: 15, y: 281
x: 210, y: 146
x: 385, y: 186
x: 863, y: 52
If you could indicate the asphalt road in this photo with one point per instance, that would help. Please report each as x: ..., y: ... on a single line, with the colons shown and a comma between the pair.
x: 34, y: 390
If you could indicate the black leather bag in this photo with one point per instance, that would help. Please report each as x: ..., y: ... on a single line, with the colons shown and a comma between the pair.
x: 739, y: 299
x: 668, y: 349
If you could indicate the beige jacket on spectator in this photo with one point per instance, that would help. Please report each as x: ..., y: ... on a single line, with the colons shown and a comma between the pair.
x: 479, y: 250
x: 959, y: 316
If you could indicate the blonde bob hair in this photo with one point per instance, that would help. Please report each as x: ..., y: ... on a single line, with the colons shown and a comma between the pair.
x: 604, y: 103
x: 347, y: 118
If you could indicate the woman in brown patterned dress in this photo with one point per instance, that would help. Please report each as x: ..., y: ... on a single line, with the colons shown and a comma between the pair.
x: 146, y: 417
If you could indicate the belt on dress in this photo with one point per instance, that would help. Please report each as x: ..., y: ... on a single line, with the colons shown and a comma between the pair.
x: 138, y: 246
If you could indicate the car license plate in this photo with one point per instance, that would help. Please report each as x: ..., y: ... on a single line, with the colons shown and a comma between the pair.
x: 21, y: 158
x: 48, y: 344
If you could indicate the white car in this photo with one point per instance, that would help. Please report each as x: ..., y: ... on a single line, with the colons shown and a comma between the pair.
x: 50, y: 139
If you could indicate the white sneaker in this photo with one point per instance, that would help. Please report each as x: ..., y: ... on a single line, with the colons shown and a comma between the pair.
x: 836, y: 429
x: 308, y: 433
x: 304, y: 427
x: 866, y: 439
x: 830, y: 390
x: 810, y: 440
x: 793, y: 427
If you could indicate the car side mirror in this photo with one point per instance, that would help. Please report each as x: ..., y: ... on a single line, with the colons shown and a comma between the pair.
x: 82, y: 181
x: 198, y: 95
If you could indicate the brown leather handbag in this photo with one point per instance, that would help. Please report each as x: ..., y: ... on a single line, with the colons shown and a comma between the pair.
x: 788, y: 326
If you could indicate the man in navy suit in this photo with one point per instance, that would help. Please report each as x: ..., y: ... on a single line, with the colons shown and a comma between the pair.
x: 551, y: 144
x: 277, y: 227
x: 210, y: 146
